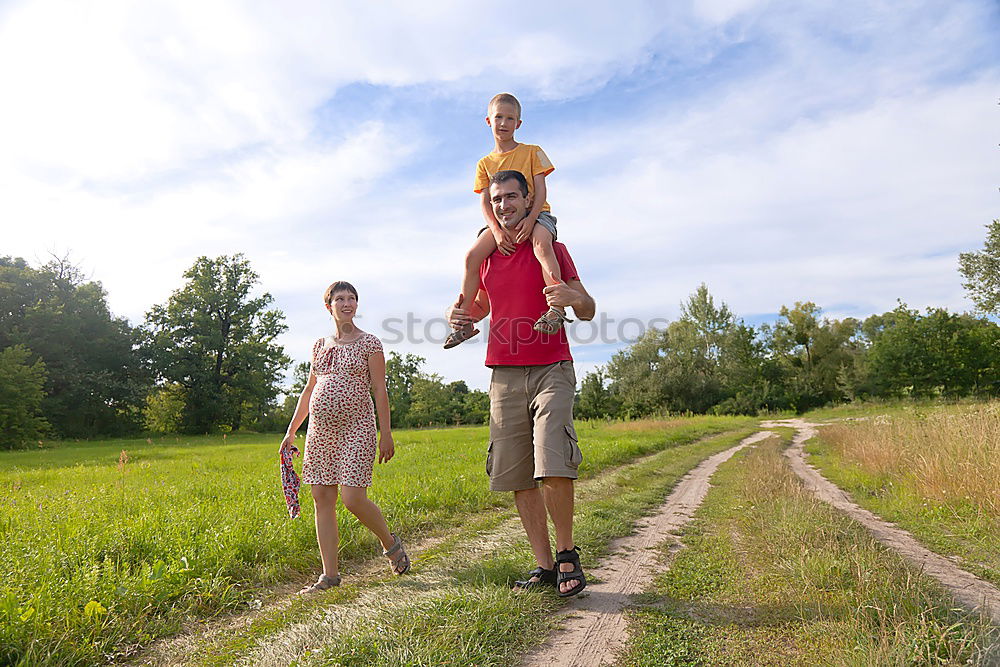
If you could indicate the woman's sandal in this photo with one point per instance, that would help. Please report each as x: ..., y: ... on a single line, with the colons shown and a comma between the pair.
x: 551, y: 321
x: 400, y: 564
x: 459, y: 336
x: 543, y: 579
x: 324, y: 582
x: 576, y: 574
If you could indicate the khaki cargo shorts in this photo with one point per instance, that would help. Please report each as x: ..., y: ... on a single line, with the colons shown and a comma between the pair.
x: 531, y: 426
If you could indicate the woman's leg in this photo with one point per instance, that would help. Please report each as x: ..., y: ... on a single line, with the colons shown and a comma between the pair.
x: 325, y: 499
x: 357, y: 502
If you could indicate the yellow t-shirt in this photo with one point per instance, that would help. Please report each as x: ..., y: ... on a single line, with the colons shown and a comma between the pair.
x: 528, y: 159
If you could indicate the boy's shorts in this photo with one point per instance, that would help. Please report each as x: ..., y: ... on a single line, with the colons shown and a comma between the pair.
x: 531, y: 426
x: 545, y: 219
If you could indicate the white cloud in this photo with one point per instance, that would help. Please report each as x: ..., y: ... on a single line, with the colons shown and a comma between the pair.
x: 834, y: 152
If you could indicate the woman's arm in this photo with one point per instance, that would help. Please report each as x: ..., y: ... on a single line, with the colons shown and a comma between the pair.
x: 301, y: 411
x: 376, y: 371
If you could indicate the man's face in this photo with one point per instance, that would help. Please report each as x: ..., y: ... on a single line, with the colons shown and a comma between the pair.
x: 509, y: 205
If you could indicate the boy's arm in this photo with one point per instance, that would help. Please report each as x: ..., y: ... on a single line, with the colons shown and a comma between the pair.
x: 523, y: 228
x: 503, y: 238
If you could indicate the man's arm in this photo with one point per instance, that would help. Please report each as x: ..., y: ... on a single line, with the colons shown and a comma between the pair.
x: 572, y: 294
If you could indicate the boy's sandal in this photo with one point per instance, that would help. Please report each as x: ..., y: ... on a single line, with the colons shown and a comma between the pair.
x: 551, y: 321
x: 324, y: 582
x: 459, y: 336
x: 543, y: 579
x: 576, y: 574
x: 401, y: 563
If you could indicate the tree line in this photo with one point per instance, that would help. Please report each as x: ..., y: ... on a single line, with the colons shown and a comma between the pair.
x: 709, y: 361
x: 207, y: 360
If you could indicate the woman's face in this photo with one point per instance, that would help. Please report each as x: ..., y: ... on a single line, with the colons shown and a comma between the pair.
x: 343, y: 306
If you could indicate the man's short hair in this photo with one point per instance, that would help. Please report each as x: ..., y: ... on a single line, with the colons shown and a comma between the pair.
x: 503, y: 98
x: 510, y: 175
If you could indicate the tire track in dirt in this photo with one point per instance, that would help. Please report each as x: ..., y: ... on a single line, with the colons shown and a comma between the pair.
x: 595, y: 625
x: 967, y: 589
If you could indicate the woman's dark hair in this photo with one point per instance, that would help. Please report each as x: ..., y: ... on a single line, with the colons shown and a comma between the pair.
x: 339, y: 286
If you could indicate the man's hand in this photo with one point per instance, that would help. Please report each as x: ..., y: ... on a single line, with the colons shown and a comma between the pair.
x: 386, y: 448
x: 457, y: 315
x: 561, y: 294
x: 523, y: 229
x: 504, y: 239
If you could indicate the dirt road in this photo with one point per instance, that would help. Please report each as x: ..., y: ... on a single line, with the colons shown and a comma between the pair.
x: 968, y: 590
x: 595, y: 627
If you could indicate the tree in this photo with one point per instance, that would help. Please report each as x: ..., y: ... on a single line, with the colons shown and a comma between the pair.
x: 595, y: 400
x: 711, y: 324
x: 400, y: 373
x: 981, y: 271
x: 816, y: 354
x: 216, y: 339
x: 932, y: 354
x: 95, y: 381
x: 21, y: 392
x: 164, y: 411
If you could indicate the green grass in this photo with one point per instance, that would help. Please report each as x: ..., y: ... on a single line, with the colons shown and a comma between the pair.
x: 96, y: 558
x: 771, y: 576
x: 951, y: 524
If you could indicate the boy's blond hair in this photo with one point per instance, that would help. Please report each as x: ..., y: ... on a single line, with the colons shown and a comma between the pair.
x: 503, y: 98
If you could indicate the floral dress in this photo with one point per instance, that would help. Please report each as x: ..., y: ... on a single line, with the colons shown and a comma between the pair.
x: 340, y: 442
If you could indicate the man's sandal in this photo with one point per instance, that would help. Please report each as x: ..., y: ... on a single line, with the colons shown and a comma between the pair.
x: 543, y: 579
x: 576, y: 574
x: 324, y: 582
x: 459, y: 336
x: 401, y: 563
x: 551, y: 321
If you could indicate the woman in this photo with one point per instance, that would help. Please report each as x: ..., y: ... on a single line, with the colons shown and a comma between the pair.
x: 347, y: 368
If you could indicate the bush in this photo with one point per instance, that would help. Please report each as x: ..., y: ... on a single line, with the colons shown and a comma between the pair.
x: 21, y: 394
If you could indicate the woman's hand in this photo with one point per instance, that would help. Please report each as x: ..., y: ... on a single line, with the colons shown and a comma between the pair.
x: 386, y: 447
x: 286, y: 443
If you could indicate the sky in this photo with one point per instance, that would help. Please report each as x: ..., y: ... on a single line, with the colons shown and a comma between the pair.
x: 842, y: 153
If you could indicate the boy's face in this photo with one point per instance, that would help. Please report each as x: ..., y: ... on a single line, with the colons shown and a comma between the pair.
x: 509, y: 204
x: 504, y: 119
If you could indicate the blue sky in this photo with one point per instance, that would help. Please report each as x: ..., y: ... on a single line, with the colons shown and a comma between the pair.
x: 842, y: 153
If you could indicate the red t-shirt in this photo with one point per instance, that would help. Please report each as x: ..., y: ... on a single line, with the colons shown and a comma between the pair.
x: 514, y: 285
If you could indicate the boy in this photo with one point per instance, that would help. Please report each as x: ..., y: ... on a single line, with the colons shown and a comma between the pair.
x: 504, y: 117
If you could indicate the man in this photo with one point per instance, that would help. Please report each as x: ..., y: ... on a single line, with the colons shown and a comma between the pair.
x: 532, y: 439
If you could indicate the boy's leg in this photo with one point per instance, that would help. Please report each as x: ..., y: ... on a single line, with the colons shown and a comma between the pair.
x: 481, y: 249
x: 541, y: 244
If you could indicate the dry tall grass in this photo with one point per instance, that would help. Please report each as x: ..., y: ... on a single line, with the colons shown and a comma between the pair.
x: 951, y: 455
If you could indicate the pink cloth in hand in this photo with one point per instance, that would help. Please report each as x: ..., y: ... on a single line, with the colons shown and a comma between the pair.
x: 290, y: 481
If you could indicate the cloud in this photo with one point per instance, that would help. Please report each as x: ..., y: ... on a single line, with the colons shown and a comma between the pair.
x: 835, y: 152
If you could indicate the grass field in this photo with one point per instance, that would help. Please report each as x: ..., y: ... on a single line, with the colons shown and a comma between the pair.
x: 771, y: 576
x: 934, y: 470
x: 100, y: 552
